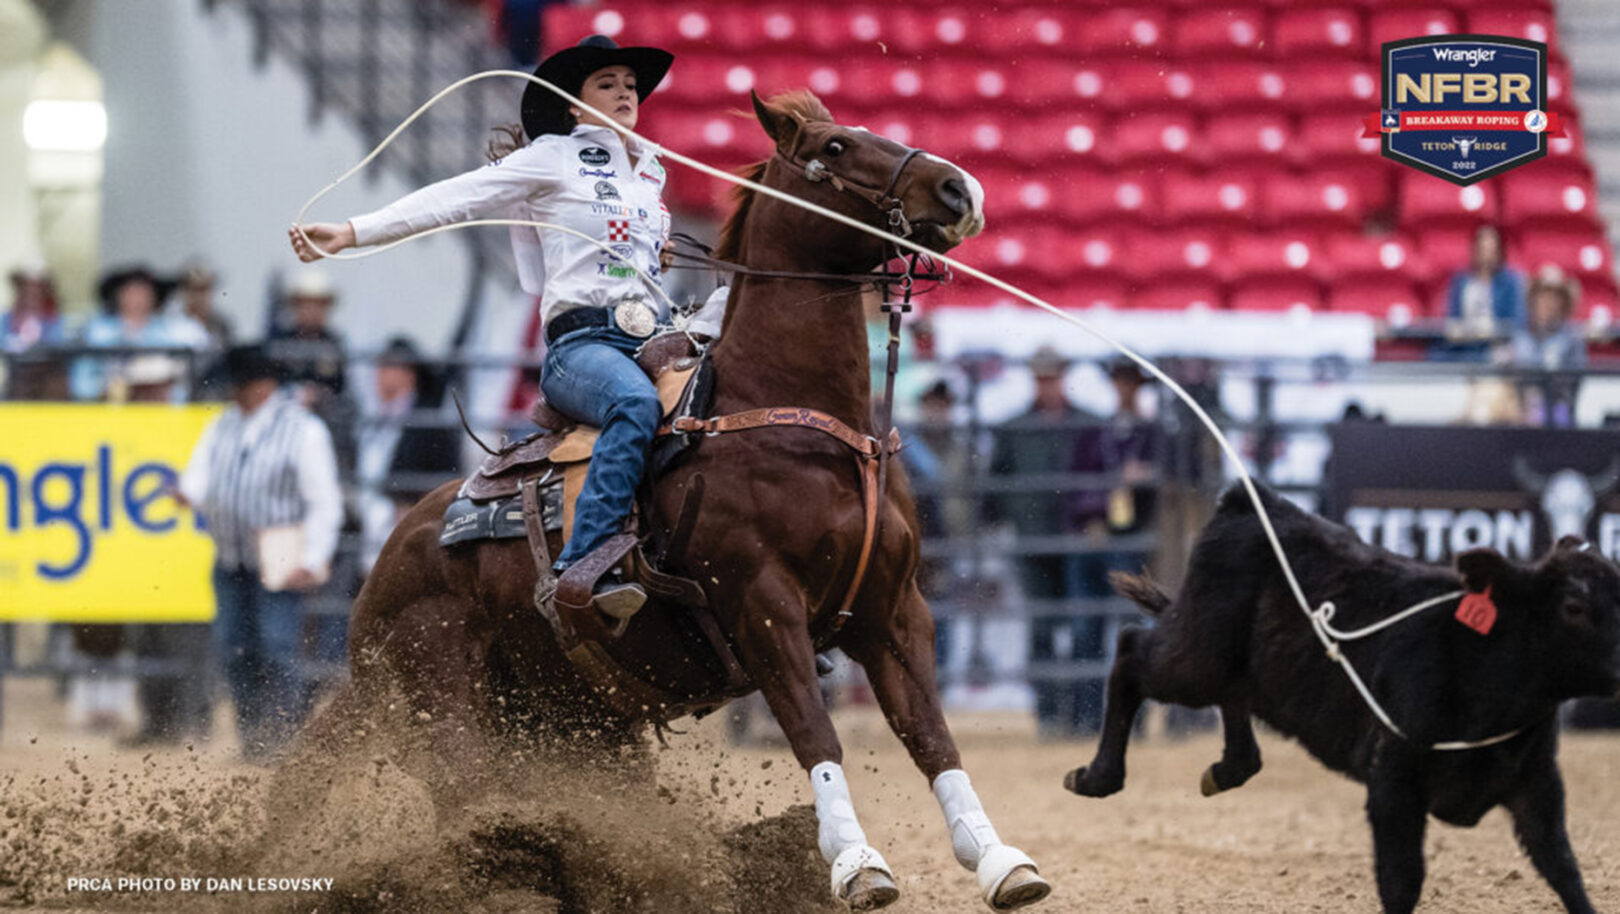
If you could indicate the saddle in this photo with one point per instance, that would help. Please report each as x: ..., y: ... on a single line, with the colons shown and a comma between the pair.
x: 528, y: 489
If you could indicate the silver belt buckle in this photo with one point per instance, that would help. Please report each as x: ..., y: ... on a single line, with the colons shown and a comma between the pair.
x: 635, y: 317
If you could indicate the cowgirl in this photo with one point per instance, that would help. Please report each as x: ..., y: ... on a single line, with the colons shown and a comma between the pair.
x: 578, y: 173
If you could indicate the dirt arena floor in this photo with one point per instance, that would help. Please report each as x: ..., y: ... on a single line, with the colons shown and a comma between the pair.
x: 1294, y: 839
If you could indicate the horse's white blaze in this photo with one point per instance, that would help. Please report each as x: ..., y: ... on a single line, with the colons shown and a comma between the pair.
x: 972, y: 222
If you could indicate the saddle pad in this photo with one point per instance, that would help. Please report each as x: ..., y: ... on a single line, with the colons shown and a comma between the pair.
x: 466, y: 521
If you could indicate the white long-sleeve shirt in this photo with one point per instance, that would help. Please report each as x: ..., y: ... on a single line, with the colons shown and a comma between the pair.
x: 584, y: 181
x: 273, y: 466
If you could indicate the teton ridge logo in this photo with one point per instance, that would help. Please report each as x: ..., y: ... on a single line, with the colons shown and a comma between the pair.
x: 1438, y: 86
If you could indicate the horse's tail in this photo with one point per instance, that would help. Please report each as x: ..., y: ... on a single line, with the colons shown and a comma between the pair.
x: 1141, y: 590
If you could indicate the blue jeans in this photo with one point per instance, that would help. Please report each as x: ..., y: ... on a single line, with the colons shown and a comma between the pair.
x: 591, y: 375
x: 257, y: 636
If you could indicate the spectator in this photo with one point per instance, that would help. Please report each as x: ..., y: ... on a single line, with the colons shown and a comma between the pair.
x: 1124, y: 449
x: 197, y: 284
x: 33, y: 318
x: 1484, y: 301
x: 316, y: 360
x: 399, y: 461
x: 175, y: 703
x: 32, y: 321
x: 1552, y: 345
x: 1040, y: 441
x: 132, y: 302
x: 264, y: 477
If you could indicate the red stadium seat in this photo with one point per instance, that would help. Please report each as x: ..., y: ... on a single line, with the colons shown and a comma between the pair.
x: 1080, y: 290
x: 1446, y: 251
x: 1599, y: 302
x: 1239, y: 85
x: 1071, y: 137
x: 1276, y: 293
x: 1394, y: 24
x: 1426, y: 201
x: 1392, y: 299
x: 1178, y: 295
x: 1332, y: 86
x: 1011, y: 252
x: 1219, y: 32
x: 708, y: 80
x: 1572, y: 145
x: 1549, y: 192
x: 1351, y: 257
x: 1312, y: 203
x: 1534, y: 24
x: 1374, y: 179
x: 1110, y: 196
x: 1097, y: 252
x: 565, y: 24
x: 1156, y: 138
x: 1120, y: 30
x: 1334, y: 136
x: 1284, y: 254
x: 1252, y: 139
x: 1040, y: 83
x: 1132, y: 86
x: 1583, y: 254
x: 757, y: 29
x: 1194, y: 253
x: 1303, y: 34
x: 926, y: 31
x: 1048, y: 29
x: 1214, y: 199
x: 1560, y: 86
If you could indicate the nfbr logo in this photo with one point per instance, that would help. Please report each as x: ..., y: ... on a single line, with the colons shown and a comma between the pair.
x: 1464, y: 107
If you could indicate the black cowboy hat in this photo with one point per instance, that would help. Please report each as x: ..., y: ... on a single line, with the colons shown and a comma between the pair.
x: 245, y: 364
x: 114, y: 280
x: 546, y: 112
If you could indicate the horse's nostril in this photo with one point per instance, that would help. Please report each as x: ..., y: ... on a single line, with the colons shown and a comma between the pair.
x: 954, y: 194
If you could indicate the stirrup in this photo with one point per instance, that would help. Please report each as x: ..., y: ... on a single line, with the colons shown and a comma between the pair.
x: 618, y: 599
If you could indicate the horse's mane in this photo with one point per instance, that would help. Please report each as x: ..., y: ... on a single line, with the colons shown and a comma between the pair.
x: 799, y: 104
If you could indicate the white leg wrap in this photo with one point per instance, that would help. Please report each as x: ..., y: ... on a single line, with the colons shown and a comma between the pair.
x: 972, y: 835
x: 839, y: 829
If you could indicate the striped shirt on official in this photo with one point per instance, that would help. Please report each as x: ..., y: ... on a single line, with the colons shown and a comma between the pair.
x: 272, y: 468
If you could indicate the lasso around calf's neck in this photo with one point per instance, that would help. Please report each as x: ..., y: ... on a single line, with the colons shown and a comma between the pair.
x: 1320, y: 618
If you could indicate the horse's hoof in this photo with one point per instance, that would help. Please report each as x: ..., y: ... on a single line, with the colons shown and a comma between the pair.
x: 1085, y: 782
x: 1021, y: 887
x: 862, y: 879
x: 869, y: 890
x: 1207, y: 785
x: 1008, y: 879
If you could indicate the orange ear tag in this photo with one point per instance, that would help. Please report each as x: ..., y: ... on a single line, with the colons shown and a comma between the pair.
x: 1477, y: 611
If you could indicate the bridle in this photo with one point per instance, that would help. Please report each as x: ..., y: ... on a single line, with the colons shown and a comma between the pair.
x: 816, y: 171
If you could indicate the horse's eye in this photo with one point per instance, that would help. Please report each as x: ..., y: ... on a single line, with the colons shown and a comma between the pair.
x: 836, y: 147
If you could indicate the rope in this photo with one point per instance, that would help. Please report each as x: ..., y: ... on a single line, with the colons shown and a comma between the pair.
x: 1324, y: 633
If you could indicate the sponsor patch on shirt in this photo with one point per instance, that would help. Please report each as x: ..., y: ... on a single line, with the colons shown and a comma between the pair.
x: 606, y: 191
x: 618, y: 230
x: 598, y: 173
x: 594, y: 155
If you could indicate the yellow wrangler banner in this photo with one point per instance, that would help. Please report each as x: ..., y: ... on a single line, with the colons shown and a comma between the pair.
x: 87, y: 533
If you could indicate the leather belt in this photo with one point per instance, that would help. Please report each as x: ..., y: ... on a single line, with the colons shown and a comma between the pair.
x: 638, y: 317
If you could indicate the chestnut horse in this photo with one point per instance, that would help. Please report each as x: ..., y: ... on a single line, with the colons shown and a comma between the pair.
x: 775, y: 543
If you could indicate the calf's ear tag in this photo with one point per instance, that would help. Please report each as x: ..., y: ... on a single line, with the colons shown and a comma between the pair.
x: 1477, y: 611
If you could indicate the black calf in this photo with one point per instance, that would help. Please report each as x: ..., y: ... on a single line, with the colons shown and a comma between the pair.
x: 1235, y: 637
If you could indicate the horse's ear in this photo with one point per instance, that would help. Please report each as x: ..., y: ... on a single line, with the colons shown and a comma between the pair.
x: 781, y: 128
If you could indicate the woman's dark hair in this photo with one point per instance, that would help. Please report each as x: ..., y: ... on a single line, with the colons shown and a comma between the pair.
x: 509, y: 138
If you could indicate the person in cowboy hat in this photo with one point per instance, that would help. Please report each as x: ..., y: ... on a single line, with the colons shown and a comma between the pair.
x: 579, y: 173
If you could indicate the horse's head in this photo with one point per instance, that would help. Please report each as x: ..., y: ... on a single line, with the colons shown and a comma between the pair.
x: 871, y: 178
